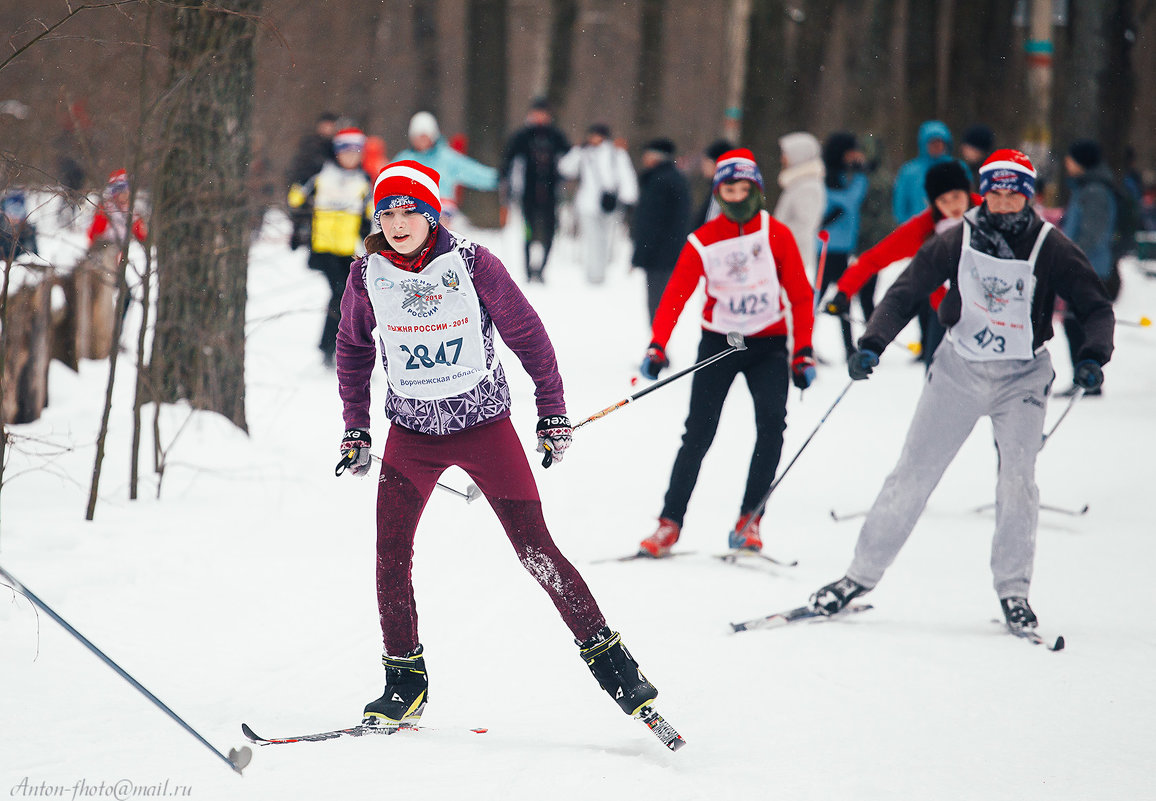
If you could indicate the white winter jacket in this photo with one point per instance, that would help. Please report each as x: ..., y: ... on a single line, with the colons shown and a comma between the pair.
x: 804, y: 199
x: 599, y: 168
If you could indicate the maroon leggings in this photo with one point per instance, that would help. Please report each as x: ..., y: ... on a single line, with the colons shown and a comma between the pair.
x: 494, y: 459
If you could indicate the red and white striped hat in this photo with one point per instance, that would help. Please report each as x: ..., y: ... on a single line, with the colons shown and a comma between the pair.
x: 408, y: 185
x: 348, y: 139
x: 1008, y: 169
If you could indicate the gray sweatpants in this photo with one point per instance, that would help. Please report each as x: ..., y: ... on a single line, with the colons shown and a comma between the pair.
x: 956, y: 394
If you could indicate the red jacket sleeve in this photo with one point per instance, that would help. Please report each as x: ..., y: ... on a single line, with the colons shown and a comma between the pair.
x: 793, y: 280
x: 98, y: 226
x: 902, y: 243
x: 683, y: 282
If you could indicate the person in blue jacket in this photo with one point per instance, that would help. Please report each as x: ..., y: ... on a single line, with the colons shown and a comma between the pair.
x: 909, y: 197
x: 429, y: 148
x: 846, y: 188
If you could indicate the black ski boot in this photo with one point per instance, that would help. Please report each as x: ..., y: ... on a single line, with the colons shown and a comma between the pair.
x: 1018, y: 614
x: 616, y: 671
x: 406, y: 691
x: 836, y: 595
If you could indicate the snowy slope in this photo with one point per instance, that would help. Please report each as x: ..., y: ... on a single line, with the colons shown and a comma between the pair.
x: 245, y: 593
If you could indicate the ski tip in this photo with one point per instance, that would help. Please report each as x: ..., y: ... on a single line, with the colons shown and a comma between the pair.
x: 676, y: 744
x: 479, y: 730
x: 249, y: 733
x: 1059, y: 644
x: 240, y: 759
x: 737, y: 627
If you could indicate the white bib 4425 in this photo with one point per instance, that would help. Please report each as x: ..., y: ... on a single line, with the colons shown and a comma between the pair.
x: 430, y: 327
x: 995, y: 320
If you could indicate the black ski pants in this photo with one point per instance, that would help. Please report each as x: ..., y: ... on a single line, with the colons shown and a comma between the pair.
x: 765, y: 367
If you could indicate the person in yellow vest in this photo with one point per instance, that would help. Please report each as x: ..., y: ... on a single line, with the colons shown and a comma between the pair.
x: 342, y: 197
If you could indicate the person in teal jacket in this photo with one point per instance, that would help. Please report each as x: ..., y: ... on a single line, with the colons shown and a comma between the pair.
x: 428, y: 147
x: 909, y: 197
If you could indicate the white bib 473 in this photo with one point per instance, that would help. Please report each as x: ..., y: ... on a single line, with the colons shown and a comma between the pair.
x: 995, y: 320
x: 430, y: 327
x: 742, y: 278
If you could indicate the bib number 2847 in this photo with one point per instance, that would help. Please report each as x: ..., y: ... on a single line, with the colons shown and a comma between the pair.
x: 986, y: 339
x: 420, y: 358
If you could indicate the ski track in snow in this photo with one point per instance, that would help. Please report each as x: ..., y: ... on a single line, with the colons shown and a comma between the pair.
x: 246, y: 592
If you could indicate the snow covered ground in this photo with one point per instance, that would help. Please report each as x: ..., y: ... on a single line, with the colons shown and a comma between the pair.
x: 245, y: 592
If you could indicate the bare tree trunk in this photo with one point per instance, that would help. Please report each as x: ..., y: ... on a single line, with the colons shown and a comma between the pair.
x: 122, y: 282
x: 202, y: 239
x: 563, y: 14
x: 429, y: 66
x: 651, y: 68
x: 485, y: 96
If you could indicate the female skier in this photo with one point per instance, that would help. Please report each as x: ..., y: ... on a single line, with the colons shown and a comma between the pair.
x: 436, y: 300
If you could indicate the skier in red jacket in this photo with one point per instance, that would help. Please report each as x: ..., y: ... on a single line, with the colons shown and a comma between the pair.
x: 748, y: 260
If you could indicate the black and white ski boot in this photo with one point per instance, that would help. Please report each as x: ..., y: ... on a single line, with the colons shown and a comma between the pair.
x: 835, y: 596
x: 1018, y: 614
x: 616, y: 671
x: 406, y: 691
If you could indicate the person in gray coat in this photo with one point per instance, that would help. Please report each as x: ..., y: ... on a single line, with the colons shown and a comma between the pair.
x: 1006, y: 267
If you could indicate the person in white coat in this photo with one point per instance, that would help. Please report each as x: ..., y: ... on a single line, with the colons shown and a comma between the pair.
x: 804, y: 198
x: 606, y: 183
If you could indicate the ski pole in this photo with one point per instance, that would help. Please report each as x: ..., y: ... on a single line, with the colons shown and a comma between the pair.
x: 471, y: 494
x: 758, y: 510
x: 237, y: 760
x: 824, y: 237
x: 1143, y: 322
x: 734, y: 339
x: 1079, y: 393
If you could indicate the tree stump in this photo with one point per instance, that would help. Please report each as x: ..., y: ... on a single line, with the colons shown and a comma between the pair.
x: 29, y: 334
x: 93, y: 302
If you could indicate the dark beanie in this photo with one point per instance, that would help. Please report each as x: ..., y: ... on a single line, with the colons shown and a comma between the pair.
x: 717, y: 148
x: 599, y: 129
x: 661, y: 145
x: 980, y: 137
x: 944, y: 177
x: 1086, y: 153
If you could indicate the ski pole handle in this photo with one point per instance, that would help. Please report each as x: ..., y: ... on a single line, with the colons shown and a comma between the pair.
x: 346, y: 462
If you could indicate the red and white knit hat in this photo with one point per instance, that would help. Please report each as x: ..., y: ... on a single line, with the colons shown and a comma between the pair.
x: 737, y: 165
x: 348, y: 139
x: 408, y: 185
x: 117, y: 182
x: 1008, y: 169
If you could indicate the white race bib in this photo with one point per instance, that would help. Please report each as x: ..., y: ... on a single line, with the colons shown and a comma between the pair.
x: 429, y: 325
x: 995, y: 320
x: 742, y: 278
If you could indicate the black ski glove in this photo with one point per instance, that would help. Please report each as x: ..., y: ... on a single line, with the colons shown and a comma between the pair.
x: 803, y: 368
x: 654, y: 361
x: 861, y: 363
x: 839, y: 305
x: 1089, y: 375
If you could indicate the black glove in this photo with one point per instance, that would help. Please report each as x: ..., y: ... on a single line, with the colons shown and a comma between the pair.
x: 839, y: 305
x: 803, y: 368
x: 554, y: 437
x: 654, y: 361
x: 354, y: 452
x: 861, y: 363
x: 1089, y: 375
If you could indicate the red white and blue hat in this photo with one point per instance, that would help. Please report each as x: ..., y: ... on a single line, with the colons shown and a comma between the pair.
x: 410, y: 186
x: 1008, y: 169
x: 117, y: 182
x: 737, y: 165
x: 348, y: 139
